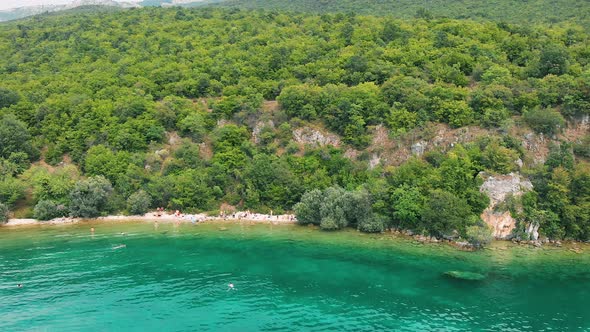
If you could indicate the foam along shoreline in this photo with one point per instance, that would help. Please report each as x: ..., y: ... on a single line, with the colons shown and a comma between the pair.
x: 163, y: 217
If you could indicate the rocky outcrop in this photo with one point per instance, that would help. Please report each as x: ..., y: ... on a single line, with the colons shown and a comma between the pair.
x: 498, y: 187
x: 374, y: 161
x: 308, y: 135
x: 536, y: 145
x: 419, y: 148
x: 258, y: 129
x: 501, y: 223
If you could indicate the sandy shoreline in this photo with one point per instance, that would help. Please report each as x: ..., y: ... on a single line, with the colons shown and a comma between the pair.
x: 256, y: 218
x: 167, y: 218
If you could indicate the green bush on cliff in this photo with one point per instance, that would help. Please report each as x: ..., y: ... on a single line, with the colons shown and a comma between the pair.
x: 545, y: 121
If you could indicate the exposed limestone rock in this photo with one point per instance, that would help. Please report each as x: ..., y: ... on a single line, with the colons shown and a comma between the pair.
x: 501, y: 223
x: 162, y: 153
x: 537, y: 146
x: 308, y: 135
x: 533, y: 230
x: 498, y: 187
x: 419, y: 148
x: 375, y: 160
x: 173, y: 138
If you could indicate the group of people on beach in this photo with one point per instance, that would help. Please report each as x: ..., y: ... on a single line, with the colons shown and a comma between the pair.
x: 247, y: 215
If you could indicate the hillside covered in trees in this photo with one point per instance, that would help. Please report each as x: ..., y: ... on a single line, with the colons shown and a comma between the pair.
x: 190, y: 109
x: 518, y: 11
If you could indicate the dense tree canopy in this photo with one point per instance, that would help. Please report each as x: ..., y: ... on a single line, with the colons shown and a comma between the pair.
x: 189, y: 109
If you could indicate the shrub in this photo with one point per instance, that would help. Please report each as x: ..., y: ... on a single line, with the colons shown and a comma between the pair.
x: 11, y: 190
x: 8, y: 97
x: 329, y: 223
x: 479, y: 236
x: 14, y: 137
x: 374, y: 223
x: 499, y: 158
x: 445, y: 213
x: 308, y: 209
x: 3, y: 213
x: 582, y: 149
x: 494, y: 117
x: 456, y: 113
x: 332, y: 209
x: 139, y: 202
x: 193, y: 126
x: 544, y: 121
x: 335, y: 208
x: 47, y: 210
x: 90, y: 197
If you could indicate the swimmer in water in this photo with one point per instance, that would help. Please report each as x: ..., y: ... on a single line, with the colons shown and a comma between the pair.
x: 230, y: 286
x: 19, y: 285
x: 91, y: 229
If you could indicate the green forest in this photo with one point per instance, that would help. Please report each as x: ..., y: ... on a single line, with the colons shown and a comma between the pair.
x: 125, y: 111
x: 516, y: 11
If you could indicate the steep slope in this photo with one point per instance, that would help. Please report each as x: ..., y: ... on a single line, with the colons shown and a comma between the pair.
x: 198, y: 109
x: 533, y: 11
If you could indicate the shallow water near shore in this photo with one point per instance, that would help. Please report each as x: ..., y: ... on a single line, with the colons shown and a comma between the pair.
x: 171, y: 277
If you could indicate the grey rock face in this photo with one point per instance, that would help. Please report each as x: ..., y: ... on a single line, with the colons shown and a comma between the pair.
x: 308, y: 135
x: 498, y: 187
x: 419, y: 148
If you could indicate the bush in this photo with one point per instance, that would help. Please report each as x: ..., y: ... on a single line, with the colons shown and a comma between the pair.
x: 332, y: 209
x: 445, y: 213
x: 89, y: 197
x: 14, y: 137
x: 479, y: 236
x: 193, y: 126
x: 308, y: 209
x: 8, y: 97
x: 139, y: 202
x: 494, y: 117
x: 544, y: 121
x: 456, y: 113
x: 3, y: 213
x: 47, y: 210
x: 373, y: 224
x: 582, y: 149
x: 335, y: 208
x: 329, y: 223
x: 11, y: 190
x: 499, y: 158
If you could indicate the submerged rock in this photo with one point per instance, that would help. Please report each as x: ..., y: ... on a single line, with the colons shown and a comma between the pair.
x: 464, y: 275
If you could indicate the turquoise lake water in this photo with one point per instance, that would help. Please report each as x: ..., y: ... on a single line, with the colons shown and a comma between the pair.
x: 287, y: 278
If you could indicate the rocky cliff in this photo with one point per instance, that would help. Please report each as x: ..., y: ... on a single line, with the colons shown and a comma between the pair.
x: 498, y: 188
